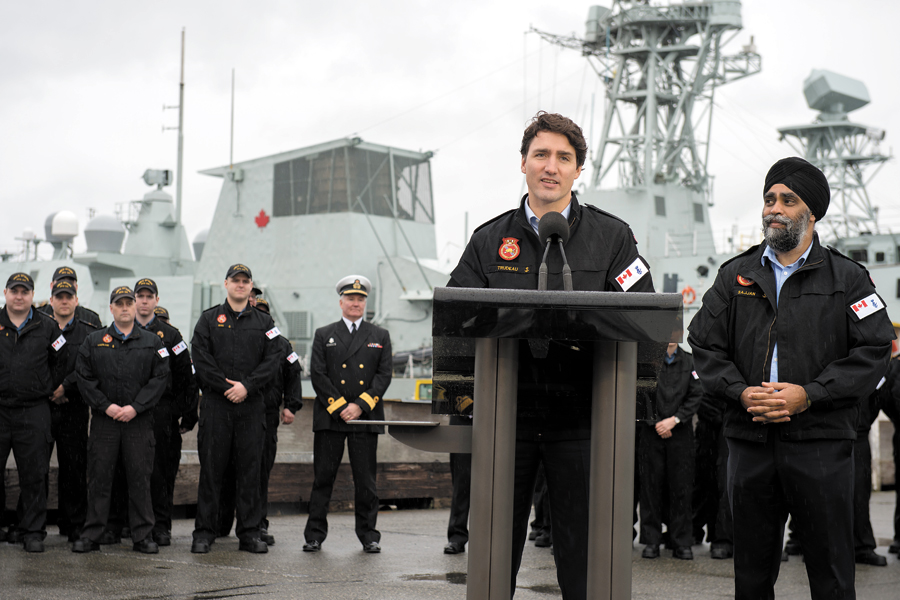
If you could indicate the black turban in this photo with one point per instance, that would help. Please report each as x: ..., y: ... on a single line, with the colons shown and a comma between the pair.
x: 803, y: 179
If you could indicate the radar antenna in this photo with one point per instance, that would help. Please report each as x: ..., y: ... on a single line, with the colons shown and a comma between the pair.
x: 847, y: 152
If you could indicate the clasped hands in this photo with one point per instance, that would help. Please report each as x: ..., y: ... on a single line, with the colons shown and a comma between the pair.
x: 121, y: 413
x: 774, y: 402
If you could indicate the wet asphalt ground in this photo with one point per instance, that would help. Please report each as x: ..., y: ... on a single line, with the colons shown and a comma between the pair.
x: 411, y: 566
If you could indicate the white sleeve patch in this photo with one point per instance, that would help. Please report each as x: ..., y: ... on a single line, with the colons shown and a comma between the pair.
x: 163, y: 353
x: 694, y: 373
x: 292, y: 357
x: 273, y: 333
x: 867, y: 306
x: 630, y: 276
x: 880, y: 383
x: 179, y: 348
x: 59, y: 343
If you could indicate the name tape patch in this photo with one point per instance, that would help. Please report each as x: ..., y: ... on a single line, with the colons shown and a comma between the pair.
x: 163, y: 353
x: 292, y: 357
x: 273, y: 333
x: 179, y: 348
x: 59, y: 343
x: 867, y: 306
x: 632, y: 274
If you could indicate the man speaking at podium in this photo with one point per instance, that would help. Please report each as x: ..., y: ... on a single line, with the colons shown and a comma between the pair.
x: 553, y: 423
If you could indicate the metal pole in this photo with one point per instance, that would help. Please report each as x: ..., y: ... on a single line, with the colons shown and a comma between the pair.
x: 180, y: 141
x: 231, y: 143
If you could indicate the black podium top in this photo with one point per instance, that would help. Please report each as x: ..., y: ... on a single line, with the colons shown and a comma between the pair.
x: 555, y: 315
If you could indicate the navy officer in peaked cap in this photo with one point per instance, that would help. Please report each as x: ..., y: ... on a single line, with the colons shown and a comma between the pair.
x: 350, y: 370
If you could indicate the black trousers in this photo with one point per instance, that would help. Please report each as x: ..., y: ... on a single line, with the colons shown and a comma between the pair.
x: 134, y: 443
x: 812, y: 480
x: 567, y: 469
x: 159, y: 479
x: 667, y: 463
x: 541, y: 523
x: 270, y: 448
x: 896, y: 442
x: 26, y: 432
x: 706, y: 496
x: 461, y: 474
x: 174, y: 461
x: 863, y: 536
x: 328, y: 449
x: 229, y: 432
x: 724, y: 522
x: 69, y: 428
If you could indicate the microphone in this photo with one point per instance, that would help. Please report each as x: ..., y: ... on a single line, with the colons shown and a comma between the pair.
x: 554, y: 226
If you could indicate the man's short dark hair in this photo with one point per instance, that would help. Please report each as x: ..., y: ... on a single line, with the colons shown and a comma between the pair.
x: 556, y: 123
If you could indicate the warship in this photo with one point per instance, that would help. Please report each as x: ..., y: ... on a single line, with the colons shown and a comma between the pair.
x: 303, y: 218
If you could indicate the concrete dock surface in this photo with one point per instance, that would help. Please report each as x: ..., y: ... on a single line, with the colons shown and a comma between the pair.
x: 411, y: 566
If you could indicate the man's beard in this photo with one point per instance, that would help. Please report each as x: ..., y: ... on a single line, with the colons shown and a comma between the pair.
x: 785, y: 239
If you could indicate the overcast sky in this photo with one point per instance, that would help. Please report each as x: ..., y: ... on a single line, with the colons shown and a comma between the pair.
x: 83, y: 85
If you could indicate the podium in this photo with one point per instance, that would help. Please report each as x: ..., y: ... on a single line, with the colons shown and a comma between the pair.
x: 617, y: 326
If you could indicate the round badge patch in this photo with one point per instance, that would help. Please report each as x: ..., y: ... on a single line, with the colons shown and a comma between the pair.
x: 107, y: 338
x: 744, y: 281
x: 160, y: 334
x: 221, y: 318
x: 509, y: 249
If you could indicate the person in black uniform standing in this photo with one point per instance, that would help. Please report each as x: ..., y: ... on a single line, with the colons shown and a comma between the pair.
x: 283, y: 399
x: 667, y: 455
x: 69, y: 414
x: 29, y: 342
x: 235, y: 357
x: 350, y: 369
x: 554, y: 397
x: 82, y: 313
x: 179, y: 395
x: 122, y: 373
x: 790, y: 337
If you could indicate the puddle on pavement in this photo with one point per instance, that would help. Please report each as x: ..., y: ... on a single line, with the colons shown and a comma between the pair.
x: 458, y: 578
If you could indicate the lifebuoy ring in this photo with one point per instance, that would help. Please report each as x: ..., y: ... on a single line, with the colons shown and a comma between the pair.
x: 688, y: 295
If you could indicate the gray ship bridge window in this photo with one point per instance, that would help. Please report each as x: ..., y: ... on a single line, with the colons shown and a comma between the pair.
x: 351, y: 179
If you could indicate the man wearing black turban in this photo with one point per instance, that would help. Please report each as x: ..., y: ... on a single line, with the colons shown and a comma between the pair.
x: 790, y: 338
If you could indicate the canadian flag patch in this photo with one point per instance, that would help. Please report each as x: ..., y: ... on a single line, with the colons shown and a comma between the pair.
x: 292, y: 357
x: 867, y: 306
x: 273, y: 333
x: 163, y: 353
x: 630, y: 276
x: 694, y: 373
x: 59, y: 343
x: 179, y: 348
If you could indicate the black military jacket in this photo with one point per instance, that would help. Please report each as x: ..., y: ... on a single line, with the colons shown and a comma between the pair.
x: 350, y: 368
x: 75, y: 332
x: 554, y: 392
x: 128, y: 372
x: 29, y: 360
x: 678, y: 392
x: 236, y: 346
x: 286, y: 385
x: 833, y: 334
x: 181, y: 390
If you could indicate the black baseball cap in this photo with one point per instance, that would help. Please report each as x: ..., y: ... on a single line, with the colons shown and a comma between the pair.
x: 65, y: 273
x: 23, y: 279
x: 238, y: 268
x: 262, y: 304
x: 62, y: 286
x: 123, y: 291
x: 161, y: 312
x: 146, y: 284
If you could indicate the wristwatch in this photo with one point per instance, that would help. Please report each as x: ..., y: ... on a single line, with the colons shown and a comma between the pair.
x: 677, y: 420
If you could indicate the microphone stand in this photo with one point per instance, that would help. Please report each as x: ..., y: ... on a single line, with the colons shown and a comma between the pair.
x: 542, y: 272
x: 566, y: 271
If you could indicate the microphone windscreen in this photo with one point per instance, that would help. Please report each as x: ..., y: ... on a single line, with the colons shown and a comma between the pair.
x: 553, y: 224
